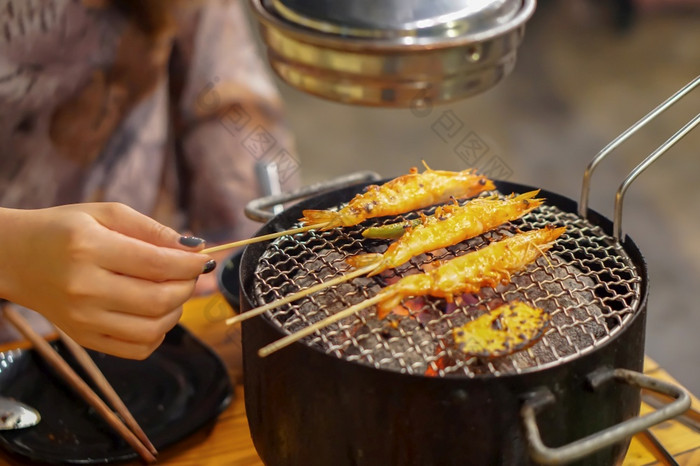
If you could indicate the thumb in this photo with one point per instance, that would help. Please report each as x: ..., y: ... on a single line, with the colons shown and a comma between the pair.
x: 123, y: 219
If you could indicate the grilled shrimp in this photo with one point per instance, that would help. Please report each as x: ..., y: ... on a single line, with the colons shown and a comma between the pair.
x: 400, y: 195
x: 487, y: 266
x: 449, y: 225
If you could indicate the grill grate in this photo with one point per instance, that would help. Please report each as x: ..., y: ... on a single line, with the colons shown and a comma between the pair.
x: 587, y: 283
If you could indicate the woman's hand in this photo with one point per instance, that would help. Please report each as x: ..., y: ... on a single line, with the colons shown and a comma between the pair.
x: 110, y: 277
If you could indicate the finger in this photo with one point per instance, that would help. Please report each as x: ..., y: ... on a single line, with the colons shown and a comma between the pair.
x: 139, y: 297
x: 132, y: 328
x: 206, y: 285
x: 133, y: 257
x: 125, y: 220
x: 116, y: 347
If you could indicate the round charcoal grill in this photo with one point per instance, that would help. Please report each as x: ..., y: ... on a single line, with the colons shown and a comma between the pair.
x: 586, y: 282
x: 396, y: 391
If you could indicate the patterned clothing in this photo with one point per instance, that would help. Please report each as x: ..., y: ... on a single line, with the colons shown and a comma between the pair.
x: 172, y: 124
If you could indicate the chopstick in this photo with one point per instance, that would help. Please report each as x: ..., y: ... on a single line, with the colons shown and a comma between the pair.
x: 104, y: 386
x: 76, y: 383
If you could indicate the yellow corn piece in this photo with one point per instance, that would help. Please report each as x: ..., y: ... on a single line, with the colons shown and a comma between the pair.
x: 503, y: 331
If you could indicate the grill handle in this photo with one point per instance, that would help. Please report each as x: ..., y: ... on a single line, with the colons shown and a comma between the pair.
x: 587, y: 445
x: 268, y: 177
x: 651, y: 158
x: 260, y: 210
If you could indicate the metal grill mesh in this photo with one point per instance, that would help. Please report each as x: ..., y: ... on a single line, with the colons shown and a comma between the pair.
x: 587, y: 283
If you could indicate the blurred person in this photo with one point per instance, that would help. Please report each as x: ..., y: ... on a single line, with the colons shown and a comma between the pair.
x: 124, y: 121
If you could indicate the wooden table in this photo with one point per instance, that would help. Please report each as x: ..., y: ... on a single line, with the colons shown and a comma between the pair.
x: 228, y: 442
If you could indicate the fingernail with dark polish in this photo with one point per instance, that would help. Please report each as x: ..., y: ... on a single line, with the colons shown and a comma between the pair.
x: 209, y: 266
x: 191, y: 241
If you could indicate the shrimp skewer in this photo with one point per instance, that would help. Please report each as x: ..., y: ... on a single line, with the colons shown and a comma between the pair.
x: 469, y: 273
x: 400, y: 195
x: 449, y: 225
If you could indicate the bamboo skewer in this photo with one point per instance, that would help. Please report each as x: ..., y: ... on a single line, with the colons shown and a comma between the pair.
x: 289, y: 339
x: 300, y: 294
x: 258, y: 239
x: 108, y: 392
x: 77, y: 384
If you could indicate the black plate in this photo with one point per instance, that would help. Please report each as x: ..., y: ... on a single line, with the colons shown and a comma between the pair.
x: 180, y: 388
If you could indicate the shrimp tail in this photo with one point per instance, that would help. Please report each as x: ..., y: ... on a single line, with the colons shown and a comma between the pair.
x: 386, y: 307
x: 363, y: 260
x: 527, y: 201
x: 528, y: 195
x: 328, y: 219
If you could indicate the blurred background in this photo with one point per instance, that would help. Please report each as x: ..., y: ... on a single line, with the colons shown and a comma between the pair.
x: 586, y: 71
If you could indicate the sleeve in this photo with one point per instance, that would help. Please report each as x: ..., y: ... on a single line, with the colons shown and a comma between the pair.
x: 227, y: 116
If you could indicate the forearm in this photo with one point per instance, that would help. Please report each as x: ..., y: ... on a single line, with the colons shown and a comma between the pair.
x: 11, y: 235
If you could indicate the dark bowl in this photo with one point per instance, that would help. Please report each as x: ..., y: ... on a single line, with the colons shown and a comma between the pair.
x: 229, y: 281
